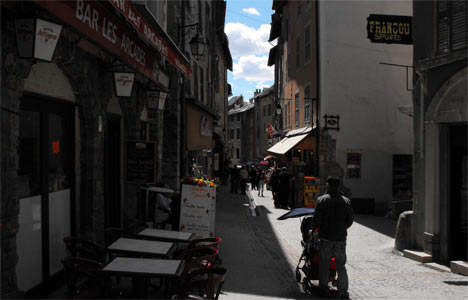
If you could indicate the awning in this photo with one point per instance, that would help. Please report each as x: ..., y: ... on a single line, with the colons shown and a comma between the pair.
x: 287, y: 144
x: 272, y: 56
x: 275, y: 29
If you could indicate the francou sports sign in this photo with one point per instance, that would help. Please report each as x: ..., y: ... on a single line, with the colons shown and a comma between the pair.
x: 390, y: 29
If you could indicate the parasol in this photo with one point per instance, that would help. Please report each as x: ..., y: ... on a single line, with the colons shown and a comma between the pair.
x: 297, y: 212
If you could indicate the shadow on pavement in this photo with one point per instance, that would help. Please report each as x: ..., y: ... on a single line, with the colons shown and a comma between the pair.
x: 251, y: 252
x: 462, y: 283
x: 380, y: 224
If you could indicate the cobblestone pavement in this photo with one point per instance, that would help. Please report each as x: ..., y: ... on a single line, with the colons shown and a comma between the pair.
x: 261, y: 253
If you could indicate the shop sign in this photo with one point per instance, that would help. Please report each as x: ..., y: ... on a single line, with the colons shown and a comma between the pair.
x: 205, y: 129
x: 126, y: 8
x: 37, y: 38
x: 95, y: 21
x: 270, y: 131
x: 353, y: 165
x: 390, y: 29
x: 140, y: 161
x: 198, y: 210
x: 124, y: 84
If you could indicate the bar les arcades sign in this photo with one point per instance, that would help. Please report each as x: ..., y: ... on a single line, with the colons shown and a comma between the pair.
x: 390, y: 29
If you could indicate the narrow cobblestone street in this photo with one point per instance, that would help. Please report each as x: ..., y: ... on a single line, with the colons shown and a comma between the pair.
x: 261, y: 253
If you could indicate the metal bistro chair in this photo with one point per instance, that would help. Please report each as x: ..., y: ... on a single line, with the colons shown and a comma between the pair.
x: 78, y: 247
x: 206, y: 283
x: 212, y: 242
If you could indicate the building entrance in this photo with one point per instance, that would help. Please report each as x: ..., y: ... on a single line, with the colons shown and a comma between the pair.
x: 458, y: 192
x: 45, y: 187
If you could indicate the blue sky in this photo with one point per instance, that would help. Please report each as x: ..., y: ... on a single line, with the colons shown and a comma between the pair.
x: 248, y: 28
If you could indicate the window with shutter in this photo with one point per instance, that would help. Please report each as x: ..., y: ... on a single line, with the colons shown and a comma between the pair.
x: 451, y: 26
x: 442, y: 26
x: 459, y: 24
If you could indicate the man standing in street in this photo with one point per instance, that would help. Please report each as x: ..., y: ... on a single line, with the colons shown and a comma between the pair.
x: 333, y: 216
x: 243, y: 179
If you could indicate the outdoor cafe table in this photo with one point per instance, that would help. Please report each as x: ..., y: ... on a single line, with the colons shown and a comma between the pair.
x: 166, y: 235
x: 142, y: 248
x: 141, y: 269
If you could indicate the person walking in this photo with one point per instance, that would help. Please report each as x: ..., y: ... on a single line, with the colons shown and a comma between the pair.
x: 274, y: 184
x: 253, y: 178
x: 283, y: 188
x: 234, y: 179
x: 243, y: 179
x: 333, y: 217
x: 261, y: 181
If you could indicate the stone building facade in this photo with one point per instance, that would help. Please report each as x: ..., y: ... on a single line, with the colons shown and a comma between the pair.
x: 439, y: 216
x: 67, y: 138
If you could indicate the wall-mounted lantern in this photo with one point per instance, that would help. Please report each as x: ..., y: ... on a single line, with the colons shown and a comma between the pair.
x: 124, y: 83
x: 156, y: 99
x: 36, y: 38
x: 197, y: 43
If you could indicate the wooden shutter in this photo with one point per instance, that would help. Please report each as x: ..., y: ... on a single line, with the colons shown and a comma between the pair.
x: 442, y: 26
x: 458, y: 24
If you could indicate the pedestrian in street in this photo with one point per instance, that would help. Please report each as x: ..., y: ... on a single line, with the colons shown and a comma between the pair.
x: 253, y: 178
x: 283, y: 188
x: 234, y: 179
x: 261, y: 177
x: 333, y: 216
x: 243, y: 179
x: 274, y: 184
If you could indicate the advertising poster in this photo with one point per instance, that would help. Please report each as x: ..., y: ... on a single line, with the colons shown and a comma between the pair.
x: 197, y: 211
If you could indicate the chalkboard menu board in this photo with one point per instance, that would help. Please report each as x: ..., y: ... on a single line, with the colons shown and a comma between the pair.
x: 140, y: 161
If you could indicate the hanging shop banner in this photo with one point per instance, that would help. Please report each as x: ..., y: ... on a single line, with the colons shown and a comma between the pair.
x: 270, y: 131
x: 126, y: 8
x: 140, y: 163
x: 353, y: 165
x: 197, y: 210
x: 390, y: 29
x: 99, y: 24
x: 123, y: 84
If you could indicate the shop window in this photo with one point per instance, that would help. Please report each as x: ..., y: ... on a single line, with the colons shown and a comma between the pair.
x: 402, y: 177
x: 353, y: 165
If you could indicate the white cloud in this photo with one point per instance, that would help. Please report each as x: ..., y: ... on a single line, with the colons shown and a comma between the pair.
x: 245, y: 40
x: 253, y: 68
x: 251, y: 11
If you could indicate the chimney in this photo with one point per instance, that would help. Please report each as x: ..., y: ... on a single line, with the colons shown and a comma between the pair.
x: 257, y: 91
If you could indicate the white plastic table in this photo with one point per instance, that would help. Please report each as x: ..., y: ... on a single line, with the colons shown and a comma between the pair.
x: 166, y: 235
x: 142, y: 248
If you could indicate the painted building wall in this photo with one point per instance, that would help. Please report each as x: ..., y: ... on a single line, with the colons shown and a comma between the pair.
x: 299, y: 68
x: 365, y: 93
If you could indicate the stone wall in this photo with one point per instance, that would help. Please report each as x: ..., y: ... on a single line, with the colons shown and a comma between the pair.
x: 13, y: 73
x: 328, y: 164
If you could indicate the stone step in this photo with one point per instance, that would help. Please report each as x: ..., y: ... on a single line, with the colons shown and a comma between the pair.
x: 459, y: 267
x: 420, y: 256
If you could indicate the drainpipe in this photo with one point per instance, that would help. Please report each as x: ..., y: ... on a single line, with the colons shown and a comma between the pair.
x: 317, y: 38
x: 422, y: 90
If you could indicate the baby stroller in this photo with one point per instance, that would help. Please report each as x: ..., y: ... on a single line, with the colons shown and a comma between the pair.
x: 307, y: 268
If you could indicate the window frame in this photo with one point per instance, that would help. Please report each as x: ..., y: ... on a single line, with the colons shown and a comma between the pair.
x: 297, y: 104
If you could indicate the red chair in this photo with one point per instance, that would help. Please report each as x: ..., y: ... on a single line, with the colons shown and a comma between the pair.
x: 198, y: 258
x: 206, y: 283
x: 212, y: 242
